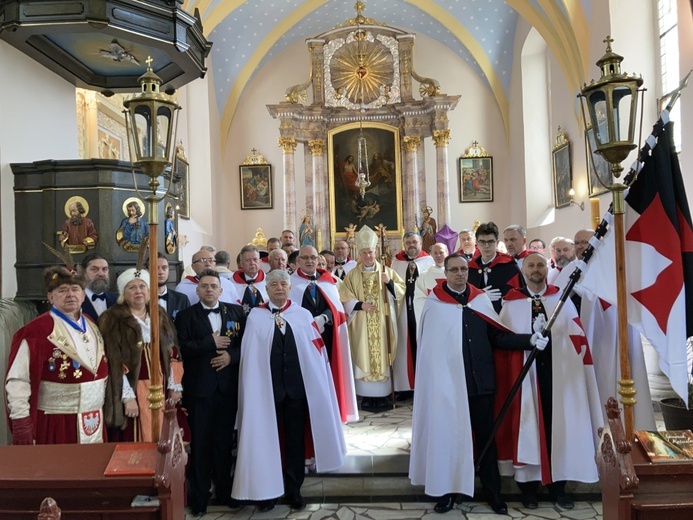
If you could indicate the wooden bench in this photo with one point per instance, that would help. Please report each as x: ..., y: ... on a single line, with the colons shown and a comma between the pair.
x: 73, y: 475
x: 633, y: 488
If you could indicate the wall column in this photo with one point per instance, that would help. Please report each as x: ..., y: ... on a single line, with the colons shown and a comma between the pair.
x: 288, y: 146
x: 410, y: 184
x: 319, y: 188
x: 441, y: 139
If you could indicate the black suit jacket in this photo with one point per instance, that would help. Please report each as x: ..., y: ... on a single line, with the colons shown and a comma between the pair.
x: 197, y: 347
x: 89, y: 310
x: 177, y: 301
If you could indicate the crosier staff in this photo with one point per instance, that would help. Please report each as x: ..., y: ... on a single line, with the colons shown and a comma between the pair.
x: 386, y: 311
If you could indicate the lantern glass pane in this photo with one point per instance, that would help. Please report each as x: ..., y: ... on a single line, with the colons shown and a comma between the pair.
x: 143, y: 124
x: 622, y: 97
x: 596, y: 103
x: 163, y: 119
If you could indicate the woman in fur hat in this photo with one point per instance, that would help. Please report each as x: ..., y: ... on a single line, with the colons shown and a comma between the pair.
x: 126, y: 331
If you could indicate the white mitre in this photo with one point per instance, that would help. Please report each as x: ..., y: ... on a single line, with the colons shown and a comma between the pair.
x: 366, y: 238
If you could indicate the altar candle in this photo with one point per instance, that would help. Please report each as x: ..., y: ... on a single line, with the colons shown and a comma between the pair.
x: 319, y: 239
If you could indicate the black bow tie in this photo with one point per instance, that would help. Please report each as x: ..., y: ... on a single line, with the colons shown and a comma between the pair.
x: 250, y: 281
x: 312, y: 278
x: 164, y: 296
x: 276, y: 311
x: 339, y: 263
x: 101, y: 296
x: 216, y: 310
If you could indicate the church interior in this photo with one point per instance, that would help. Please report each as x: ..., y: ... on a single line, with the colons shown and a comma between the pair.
x: 448, y: 85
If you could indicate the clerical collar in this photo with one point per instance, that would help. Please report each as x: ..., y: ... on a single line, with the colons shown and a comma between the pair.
x: 371, y: 268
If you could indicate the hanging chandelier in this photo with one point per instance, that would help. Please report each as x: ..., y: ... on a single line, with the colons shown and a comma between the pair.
x: 363, y: 180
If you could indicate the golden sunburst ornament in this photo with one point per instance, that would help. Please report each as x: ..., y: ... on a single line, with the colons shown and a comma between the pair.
x: 362, y: 68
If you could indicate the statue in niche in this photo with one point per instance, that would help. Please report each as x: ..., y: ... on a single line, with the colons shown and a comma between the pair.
x: 133, y: 228
x: 78, y: 233
x: 428, y: 229
x: 170, y: 233
x: 305, y: 232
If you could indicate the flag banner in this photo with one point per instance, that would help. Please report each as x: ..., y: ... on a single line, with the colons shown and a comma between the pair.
x: 659, y: 260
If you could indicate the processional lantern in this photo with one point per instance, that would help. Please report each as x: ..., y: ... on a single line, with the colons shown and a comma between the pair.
x: 612, y: 104
x: 151, y: 119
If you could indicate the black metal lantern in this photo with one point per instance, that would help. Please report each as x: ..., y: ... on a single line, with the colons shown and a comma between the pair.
x: 612, y: 104
x: 151, y: 119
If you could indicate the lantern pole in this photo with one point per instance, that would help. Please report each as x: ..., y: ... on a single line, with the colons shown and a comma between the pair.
x: 604, y: 101
x: 151, y: 121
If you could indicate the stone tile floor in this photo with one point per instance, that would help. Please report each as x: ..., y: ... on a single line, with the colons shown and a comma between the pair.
x: 380, y: 443
x: 407, y: 511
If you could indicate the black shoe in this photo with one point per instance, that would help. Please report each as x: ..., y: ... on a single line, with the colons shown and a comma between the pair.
x: 404, y: 395
x: 565, y: 501
x: 266, y: 505
x: 445, y: 504
x: 233, y: 503
x: 497, y: 504
x: 530, y: 501
x: 297, y: 503
x: 194, y: 511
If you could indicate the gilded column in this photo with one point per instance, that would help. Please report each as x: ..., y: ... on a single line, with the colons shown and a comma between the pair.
x: 410, y: 184
x: 320, y: 189
x: 441, y: 139
x: 288, y: 146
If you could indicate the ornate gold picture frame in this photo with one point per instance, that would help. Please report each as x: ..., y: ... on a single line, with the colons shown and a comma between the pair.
x: 562, y: 171
x: 257, y: 185
x: 476, y: 175
x: 382, y: 200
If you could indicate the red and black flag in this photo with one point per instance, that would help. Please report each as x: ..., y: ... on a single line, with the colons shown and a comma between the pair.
x: 659, y: 260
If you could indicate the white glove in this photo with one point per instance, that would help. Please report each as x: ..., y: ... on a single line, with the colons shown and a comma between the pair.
x: 538, y: 341
x: 538, y: 323
x: 493, y: 294
x: 321, y: 320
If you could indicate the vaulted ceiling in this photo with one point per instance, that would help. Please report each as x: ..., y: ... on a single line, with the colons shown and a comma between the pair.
x: 246, y: 34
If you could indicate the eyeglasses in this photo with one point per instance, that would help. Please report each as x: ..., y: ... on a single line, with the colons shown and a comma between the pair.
x: 205, y: 261
x: 213, y: 286
x: 486, y: 242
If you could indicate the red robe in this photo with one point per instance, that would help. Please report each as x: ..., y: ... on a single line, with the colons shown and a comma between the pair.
x: 47, y: 346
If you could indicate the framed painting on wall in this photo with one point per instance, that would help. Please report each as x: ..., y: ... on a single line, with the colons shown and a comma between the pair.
x: 381, y: 202
x: 256, y: 186
x: 181, y: 180
x: 599, y: 169
x: 562, y: 173
x: 476, y: 179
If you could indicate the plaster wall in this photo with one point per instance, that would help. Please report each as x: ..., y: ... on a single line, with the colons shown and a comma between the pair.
x: 37, y: 121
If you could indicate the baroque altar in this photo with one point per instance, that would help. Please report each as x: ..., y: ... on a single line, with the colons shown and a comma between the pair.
x: 362, y: 81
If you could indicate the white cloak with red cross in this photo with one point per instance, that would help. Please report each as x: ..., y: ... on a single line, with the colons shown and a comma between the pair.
x: 340, y: 362
x: 521, y: 440
x: 258, y: 474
